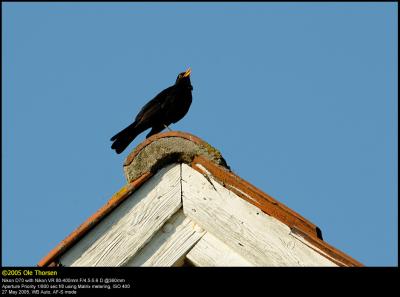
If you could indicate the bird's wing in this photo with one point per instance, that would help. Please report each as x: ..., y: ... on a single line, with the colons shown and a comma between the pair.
x: 154, y: 106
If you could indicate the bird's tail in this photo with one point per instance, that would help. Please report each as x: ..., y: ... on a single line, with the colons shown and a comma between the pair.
x: 123, y: 138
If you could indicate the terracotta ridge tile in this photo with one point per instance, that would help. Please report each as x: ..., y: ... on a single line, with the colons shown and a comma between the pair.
x: 155, y: 137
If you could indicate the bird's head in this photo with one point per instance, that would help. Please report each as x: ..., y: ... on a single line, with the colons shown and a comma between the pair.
x: 184, y: 78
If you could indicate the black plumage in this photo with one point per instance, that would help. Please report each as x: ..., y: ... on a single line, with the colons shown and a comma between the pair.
x: 168, y: 107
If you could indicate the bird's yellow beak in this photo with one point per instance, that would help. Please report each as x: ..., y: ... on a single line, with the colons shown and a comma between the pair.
x: 187, y: 73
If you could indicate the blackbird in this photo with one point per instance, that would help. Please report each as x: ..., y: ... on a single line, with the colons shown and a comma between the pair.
x: 168, y: 107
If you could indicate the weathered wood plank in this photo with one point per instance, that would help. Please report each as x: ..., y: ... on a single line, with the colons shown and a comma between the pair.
x: 259, y: 238
x: 131, y: 225
x: 210, y: 251
x: 171, y: 243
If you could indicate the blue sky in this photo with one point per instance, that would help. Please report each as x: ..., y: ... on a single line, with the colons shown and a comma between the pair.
x: 300, y: 98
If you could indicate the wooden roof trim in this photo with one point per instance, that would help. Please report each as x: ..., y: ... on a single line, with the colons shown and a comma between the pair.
x: 256, y: 197
x: 298, y: 224
x: 92, y: 221
x: 334, y: 254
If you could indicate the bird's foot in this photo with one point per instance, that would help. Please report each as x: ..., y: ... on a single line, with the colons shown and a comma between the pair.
x: 165, y: 126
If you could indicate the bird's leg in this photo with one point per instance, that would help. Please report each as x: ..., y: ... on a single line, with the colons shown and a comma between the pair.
x: 165, y: 126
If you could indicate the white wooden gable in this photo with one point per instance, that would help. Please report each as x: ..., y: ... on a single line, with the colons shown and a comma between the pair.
x: 180, y: 216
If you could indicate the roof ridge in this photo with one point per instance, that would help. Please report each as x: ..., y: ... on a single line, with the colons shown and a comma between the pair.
x: 180, y: 147
x: 165, y: 148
